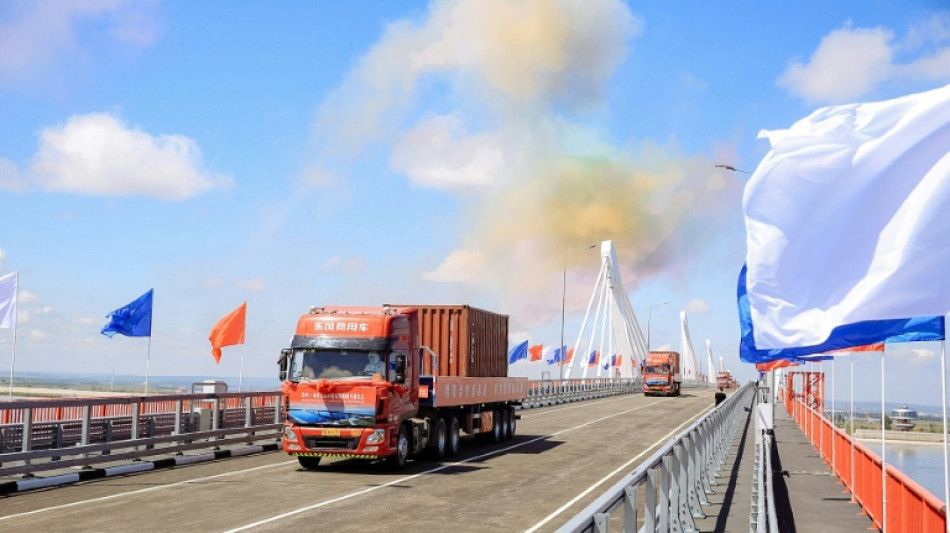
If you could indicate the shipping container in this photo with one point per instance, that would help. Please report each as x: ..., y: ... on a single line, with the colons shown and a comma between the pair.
x: 469, y: 342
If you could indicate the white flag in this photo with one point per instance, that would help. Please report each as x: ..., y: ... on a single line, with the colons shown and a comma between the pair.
x: 8, y: 289
x: 848, y: 220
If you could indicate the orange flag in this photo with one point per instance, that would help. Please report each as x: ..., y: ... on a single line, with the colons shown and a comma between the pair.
x: 879, y: 347
x: 228, y: 331
x: 772, y: 365
x: 535, y: 352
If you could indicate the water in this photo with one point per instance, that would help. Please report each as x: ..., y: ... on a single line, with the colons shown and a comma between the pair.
x: 922, y: 462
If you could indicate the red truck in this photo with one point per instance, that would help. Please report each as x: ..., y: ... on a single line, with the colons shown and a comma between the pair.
x: 396, y: 381
x: 661, y: 375
x: 726, y: 381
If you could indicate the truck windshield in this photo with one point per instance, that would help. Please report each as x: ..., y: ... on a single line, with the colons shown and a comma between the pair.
x: 656, y: 370
x: 347, y: 365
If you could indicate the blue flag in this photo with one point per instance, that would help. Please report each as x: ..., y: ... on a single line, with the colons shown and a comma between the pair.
x: 518, y: 352
x: 930, y: 328
x: 132, y: 320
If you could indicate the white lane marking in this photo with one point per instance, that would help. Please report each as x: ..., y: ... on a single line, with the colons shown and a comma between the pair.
x: 608, y: 476
x: 420, y: 474
x: 141, y: 491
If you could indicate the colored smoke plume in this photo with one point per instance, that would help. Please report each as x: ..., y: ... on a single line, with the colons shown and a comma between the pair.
x: 518, y: 140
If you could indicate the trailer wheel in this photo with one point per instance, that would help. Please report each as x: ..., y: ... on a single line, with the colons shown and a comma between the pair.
x: 452, y: 442
x: 503, y: 419
x: 512, y: 423
x: 439, y: 438
x: 310, y: 463
x: 399, y: 459
x: 496, y: 426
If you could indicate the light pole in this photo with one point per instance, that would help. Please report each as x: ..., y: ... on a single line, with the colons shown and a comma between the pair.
x: 649, y: 318
x: 564, y: 297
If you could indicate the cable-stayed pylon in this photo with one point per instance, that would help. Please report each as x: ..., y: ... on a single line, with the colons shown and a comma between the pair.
x: 690, y: 367
x: 614, y: 327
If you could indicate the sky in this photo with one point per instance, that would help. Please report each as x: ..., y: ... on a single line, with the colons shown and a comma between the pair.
x: 361, y: 153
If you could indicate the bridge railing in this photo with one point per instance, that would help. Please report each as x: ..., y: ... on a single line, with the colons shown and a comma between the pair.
x: 667, y: 491
x: 910, y: 507
x: 554, y: 391
x: 45, y: 434
x: 762, y: 514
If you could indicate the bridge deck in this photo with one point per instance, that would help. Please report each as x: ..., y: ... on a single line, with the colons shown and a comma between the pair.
x: 807, y: 496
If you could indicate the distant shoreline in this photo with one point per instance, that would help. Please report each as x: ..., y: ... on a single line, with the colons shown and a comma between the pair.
x: 910, y: 437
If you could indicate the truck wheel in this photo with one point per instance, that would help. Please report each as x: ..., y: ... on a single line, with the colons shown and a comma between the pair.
x: 496, y: 425
x: 439, y: 438
x: 504, y: 417
x: 452, y: 442
x: 310, y: 463
x: 399, y: 459
x: 512, y: 423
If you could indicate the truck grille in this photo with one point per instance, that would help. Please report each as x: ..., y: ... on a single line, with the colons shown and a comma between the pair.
x: 315, y: 443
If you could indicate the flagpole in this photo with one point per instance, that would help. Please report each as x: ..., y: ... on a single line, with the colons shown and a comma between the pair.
x: 883, y: 456
x: 148, y: 358
x: 16, y: 289
x: 821, y: 408
x: 833, y: 425
x: 12, y: 362
x: 241, y: 372
x: 851, y: 364
x: 943, y: 392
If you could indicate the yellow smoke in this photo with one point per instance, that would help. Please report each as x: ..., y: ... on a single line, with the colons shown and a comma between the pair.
x: 539, y: 183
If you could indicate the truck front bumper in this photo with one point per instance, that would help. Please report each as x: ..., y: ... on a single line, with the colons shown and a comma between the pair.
x: 355, y: 443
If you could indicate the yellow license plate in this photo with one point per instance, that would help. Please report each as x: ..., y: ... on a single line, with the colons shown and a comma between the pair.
x: 331, y: 432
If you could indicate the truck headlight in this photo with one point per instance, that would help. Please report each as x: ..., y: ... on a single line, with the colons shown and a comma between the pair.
x: 377, y: 436
x: 290, y: 434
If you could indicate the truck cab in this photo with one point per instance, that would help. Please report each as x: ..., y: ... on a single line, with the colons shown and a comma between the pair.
x: 349, y: 382
x: 661, y: 374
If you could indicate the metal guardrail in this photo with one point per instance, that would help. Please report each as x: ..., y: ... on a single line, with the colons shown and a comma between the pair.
x: 46, y: 434
x: 555, y: 391
x: 762, y: 515
x: 669, y: 489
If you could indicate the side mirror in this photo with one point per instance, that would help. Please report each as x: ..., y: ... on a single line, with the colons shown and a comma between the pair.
x: 283, y: 360
x: 400, y: 368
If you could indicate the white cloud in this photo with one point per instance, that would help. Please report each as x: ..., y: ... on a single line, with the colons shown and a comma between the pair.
x: 439, y: 153
x: 10, y: 178
x: 89, y: 321
x: 253, y: 285
x: 38, y: 334
x: 920, y: 356
x: 25, y: 296
x: 847, y: 64
x: 36, y: 34
x: 22, y: 315
x: 697, y: 307
x: 213, y: 283
x: 463, y: 266
x: 337, y: 263
x: 97, y: 154
x: 852, y: 62
x: 3, y: 255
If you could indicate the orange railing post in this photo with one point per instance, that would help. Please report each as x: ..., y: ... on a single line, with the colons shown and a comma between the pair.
x: 910, y: 507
